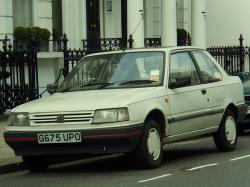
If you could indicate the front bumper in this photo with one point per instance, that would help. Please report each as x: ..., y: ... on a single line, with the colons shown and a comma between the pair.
x: 98, y: 141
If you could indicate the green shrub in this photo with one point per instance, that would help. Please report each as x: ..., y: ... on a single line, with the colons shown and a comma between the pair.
x: 20, y: 33
x: 45, y: 34
x: 35, y: 32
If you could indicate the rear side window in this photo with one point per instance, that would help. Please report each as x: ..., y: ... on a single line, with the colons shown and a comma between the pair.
x: 209, y: 72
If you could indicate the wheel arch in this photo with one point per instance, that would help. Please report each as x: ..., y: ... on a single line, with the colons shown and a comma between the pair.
x: 232, y: 107
x: 158, y: 116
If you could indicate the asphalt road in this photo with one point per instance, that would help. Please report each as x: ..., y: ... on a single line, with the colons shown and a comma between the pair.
x: 194, y: 164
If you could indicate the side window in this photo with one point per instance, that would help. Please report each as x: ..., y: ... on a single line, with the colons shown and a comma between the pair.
x: 182, y: 71
x: 209, y: 71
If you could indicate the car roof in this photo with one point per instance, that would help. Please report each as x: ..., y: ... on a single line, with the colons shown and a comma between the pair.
x: 167, y: 49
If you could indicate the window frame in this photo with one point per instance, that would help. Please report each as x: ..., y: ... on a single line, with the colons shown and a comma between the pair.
x: 194, y: 63
x: 199, y: 70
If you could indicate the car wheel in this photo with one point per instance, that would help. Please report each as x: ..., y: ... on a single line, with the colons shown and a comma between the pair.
x: 226, y: 136
x: 35, y: 163
x: 150, y: 151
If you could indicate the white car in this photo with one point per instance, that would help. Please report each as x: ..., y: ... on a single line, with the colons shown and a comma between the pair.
x: 131, y: 101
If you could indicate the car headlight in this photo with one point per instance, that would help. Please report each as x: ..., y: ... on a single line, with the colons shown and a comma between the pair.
x: 19, y: 119
x: 111, y: 115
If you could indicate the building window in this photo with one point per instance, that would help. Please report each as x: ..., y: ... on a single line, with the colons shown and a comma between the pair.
x: 57, y: 18
x: 22, y: 13
x: 152, y: 13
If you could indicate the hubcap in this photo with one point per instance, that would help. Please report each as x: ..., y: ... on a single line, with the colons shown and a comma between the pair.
x: 230, y: 129
x: 154, y: 144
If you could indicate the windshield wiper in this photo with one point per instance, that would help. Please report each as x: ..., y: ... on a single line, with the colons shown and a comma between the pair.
x: 128, y: 82
x: 102, y: 84
x: 147, y: 81
x: 96, y: 84
x: 106, y: 84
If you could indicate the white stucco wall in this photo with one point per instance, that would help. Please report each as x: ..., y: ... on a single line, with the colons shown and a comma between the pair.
x: 6, y: 18
x: 45, y: 14
x: 226, y: 20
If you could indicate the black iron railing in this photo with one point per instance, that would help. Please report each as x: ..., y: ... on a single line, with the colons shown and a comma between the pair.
x: 156, y: 42
x: 152, y: 42
x: 104, y: 44
x: 231, y: 58
x: 18, y: 75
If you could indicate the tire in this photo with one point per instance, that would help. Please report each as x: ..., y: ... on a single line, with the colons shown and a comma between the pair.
x: 226, y: 137
x: 150, y: 152
x: 35, y: 163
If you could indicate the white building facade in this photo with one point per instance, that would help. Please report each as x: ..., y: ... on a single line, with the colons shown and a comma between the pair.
x: 83, y: 19
x: 26, y: 13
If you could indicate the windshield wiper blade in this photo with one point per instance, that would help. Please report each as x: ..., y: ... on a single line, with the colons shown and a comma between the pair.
x: 89, y: 84
x: 146, y: 81
x: 104, y: 85
x: 96, y: 84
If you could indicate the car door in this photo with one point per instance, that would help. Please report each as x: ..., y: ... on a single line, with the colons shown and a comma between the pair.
x: 212, y: 80
x: 187, y: 98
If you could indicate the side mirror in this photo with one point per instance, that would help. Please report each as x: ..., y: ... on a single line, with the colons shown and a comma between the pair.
x: 51, y: 88
x: 180, y: 82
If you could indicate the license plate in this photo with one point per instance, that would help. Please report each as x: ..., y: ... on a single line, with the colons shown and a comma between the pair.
x: 62, y: 137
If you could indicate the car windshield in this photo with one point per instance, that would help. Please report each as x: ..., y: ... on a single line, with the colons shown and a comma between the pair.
x: 135, y: 69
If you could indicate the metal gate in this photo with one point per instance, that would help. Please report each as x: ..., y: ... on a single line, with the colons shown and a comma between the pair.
x: 18, y: 75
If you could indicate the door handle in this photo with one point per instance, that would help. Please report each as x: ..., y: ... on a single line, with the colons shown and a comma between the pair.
x: 203, y: 92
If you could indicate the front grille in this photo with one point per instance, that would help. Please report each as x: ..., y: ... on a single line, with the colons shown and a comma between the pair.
x: 62, y: 118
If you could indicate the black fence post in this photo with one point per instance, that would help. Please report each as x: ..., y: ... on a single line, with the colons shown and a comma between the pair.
x: 130, y: 41
x: 33, y: 73
x: 33, y: 43
x: 248, y: 52
x: 5, y: 43
x: 242, y: 53
x: 66, y: 55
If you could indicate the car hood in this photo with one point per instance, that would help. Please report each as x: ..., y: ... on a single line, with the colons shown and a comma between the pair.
x: 90, y: 100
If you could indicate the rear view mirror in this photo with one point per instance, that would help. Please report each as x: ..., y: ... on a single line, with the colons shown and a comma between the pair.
x: 51, y: 88
x: 179, y: 82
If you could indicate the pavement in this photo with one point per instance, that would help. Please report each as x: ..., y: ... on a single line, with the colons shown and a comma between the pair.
x: 9, y: 162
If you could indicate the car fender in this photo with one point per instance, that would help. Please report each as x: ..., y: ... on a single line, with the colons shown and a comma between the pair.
x: 139, y: 111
